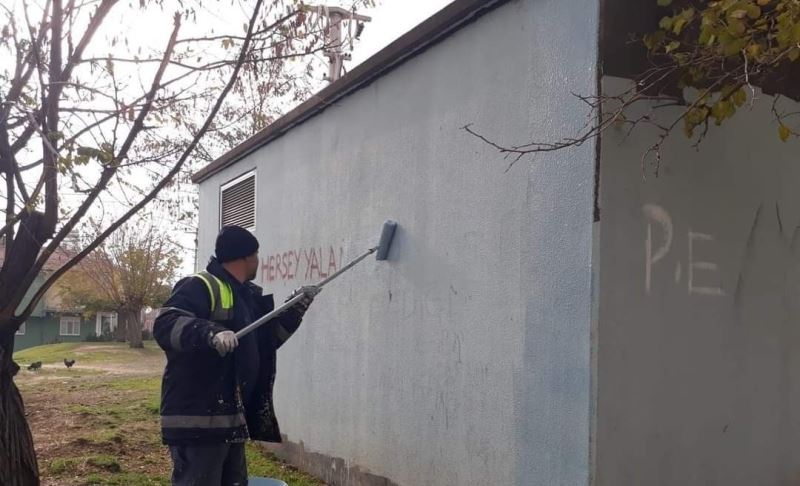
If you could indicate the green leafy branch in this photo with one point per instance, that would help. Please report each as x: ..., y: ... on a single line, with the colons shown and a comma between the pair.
x: 729, y: 46
x: 707, y: 58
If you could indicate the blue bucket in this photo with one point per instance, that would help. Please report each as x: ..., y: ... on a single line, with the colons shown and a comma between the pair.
x: 265, y: 482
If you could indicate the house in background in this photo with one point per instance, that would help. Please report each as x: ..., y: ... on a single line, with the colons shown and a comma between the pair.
x: 148, y: 318
x: 52, y: 322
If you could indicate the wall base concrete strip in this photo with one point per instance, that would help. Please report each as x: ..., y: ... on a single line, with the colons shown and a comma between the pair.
x: 335, y: 471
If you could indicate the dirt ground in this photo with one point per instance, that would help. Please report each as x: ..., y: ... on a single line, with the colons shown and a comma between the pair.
x: 98, y: 423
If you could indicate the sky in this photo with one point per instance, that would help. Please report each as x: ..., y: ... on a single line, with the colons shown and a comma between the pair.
x: 390, y: 20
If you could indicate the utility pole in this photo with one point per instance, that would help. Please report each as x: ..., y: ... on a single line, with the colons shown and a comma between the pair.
x: 335, y: 41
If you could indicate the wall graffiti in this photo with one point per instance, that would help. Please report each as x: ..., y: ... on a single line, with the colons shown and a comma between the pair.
x: 658, y: 247
x: 304, y: 264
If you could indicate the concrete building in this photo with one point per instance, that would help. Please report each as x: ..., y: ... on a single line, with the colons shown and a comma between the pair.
x: 565, y: 322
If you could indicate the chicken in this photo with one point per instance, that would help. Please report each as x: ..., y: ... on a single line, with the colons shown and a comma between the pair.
x: 69, y: 363
x: 35, y: 366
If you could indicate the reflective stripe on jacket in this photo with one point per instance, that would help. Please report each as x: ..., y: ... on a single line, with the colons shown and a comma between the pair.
x: 206, y: 398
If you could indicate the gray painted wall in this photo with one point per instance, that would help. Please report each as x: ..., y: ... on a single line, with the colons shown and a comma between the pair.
x: 466, y: 358
x: 699, y: 357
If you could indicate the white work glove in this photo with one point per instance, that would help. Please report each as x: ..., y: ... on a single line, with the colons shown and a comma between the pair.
x: 309, y: 291
x: 224, y: 342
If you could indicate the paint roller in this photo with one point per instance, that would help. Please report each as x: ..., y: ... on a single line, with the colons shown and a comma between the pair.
x: 381, y: 253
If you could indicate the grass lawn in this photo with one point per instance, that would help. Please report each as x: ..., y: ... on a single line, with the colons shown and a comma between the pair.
x: 98, y: 424
x: 93, y: 353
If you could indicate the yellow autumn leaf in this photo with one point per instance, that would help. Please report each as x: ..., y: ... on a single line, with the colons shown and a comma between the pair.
x: 738, y: 14
x: 784, y: 132
x: 740, y: 97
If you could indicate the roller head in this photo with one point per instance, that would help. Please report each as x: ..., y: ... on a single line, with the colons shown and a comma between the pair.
x: 385, y: 244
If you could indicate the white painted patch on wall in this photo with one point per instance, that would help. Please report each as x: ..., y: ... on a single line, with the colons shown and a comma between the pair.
x: 660, y: 217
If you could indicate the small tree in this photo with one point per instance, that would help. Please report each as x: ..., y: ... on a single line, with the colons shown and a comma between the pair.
x: 130, y: 271
x: 119, y: 118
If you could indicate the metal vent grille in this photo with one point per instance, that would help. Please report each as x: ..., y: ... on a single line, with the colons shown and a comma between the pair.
x: 238, y: 203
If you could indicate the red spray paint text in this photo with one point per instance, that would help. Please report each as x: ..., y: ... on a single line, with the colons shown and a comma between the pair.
x: 308, y: 264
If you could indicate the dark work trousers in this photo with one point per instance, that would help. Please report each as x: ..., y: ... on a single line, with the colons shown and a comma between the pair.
x: 209, y: 465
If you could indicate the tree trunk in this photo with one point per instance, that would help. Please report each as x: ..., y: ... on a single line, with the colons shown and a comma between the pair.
x: 133, y: 324
x: 120, y: 333
x: 18, y: 465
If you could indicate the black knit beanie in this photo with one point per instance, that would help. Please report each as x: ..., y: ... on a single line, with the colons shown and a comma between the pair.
x: 233, y: 243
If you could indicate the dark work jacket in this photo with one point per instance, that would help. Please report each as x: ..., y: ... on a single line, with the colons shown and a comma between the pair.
x: 205, y: 398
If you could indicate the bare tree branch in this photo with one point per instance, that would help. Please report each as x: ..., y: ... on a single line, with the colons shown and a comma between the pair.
x: 163, y: 183
x: 64, y: 74
x: 109, y: 170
